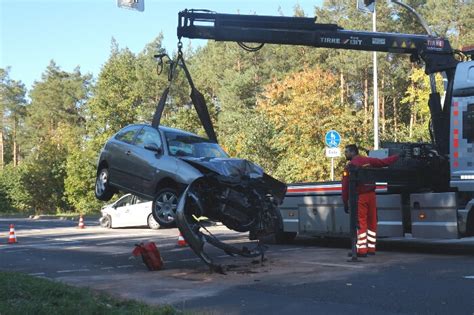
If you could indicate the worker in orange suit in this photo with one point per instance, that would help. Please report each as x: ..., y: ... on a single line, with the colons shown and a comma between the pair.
x: 366, y: 202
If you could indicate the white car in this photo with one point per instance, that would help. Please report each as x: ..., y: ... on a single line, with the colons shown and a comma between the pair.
x: 128, y: 211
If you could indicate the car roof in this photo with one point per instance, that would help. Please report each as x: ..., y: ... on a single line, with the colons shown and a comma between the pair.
x: 169, y: 129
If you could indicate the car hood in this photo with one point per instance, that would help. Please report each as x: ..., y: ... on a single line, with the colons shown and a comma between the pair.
x: 239, y: 169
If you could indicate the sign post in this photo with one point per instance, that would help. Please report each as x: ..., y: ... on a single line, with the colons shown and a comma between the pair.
x: 332, y: 139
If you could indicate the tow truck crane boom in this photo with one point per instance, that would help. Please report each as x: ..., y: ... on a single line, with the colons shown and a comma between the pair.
x: 436, y: 52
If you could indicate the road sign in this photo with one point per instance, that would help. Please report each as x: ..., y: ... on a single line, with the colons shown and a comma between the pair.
x: 332, y: 138
x: 138, y: 5
x: 366, y: 5
x: 333, y: 152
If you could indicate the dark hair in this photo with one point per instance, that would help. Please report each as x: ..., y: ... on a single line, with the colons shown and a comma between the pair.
x: 352, y: 148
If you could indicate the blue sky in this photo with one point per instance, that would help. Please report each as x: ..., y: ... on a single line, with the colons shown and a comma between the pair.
x: 78, y: 32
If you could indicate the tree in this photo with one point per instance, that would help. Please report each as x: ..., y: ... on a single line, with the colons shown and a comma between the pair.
x: 57, y: 104
x: 12, y: 113
x: 302, y: 107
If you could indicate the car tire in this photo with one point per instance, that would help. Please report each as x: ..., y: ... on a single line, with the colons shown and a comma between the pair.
x: 164, y: 207
x: 106, y: 222
x: 103, y: 191
x: 152, y: 224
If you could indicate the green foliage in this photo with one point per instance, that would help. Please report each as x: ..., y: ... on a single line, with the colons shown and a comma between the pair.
x: 13, y: 195
x: 44, y: 180
x: 302, y: 108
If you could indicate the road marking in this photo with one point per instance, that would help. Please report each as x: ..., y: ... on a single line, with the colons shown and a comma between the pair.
x: 468, y: 277
x: 120, y: 242
x: 41, y: 245
x: 36, y: 274
x: 107, y: 268
x: 125, y: 266
x: 289, y: 249
x: 17, y: 250
x: 331, y: 265
x: 72, y: 270
x: 224, y: 256
x: 190, y: 259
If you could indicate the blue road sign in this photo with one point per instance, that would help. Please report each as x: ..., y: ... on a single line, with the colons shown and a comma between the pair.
x: 332, y: 138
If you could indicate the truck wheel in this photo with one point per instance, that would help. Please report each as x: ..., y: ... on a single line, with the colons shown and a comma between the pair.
x: 103, y: 191
x: 152, y: 224
x: 164, y: 207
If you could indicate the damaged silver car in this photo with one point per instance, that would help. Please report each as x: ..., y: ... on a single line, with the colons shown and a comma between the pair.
x: 188, y: 176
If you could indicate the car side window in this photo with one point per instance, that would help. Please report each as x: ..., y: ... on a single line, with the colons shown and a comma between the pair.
x: 147, y: 136
x: 127, y: 134
x: 124, y: 202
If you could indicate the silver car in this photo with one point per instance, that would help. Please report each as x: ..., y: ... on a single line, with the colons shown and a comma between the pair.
x: 151, y: 163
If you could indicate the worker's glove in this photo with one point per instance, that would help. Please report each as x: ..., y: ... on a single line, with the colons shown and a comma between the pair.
x: 346, y: 208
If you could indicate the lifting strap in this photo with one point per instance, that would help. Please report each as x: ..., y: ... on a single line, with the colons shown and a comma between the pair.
x: 196, y: 97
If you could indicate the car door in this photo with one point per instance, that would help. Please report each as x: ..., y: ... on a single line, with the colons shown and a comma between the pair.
x: 142, y: 209
x: 145, y: 163
x: 121, y: 216
x: 120, y: 148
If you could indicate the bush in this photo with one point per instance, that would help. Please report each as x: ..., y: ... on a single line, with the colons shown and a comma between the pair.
x: 13, y: 196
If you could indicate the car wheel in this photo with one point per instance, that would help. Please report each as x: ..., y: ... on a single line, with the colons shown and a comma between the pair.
x: 152, y: 224
x: 103, y: 191
x: 164, y: 207
x: 106, y: 222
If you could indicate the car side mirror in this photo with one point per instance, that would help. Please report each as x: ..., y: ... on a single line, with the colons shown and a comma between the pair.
x: 153, y: 147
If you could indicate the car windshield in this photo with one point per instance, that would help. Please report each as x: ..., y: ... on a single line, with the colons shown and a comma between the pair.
x: 180, y: 144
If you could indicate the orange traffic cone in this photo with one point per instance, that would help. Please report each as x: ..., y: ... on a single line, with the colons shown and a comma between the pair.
x: 12, y: 237
x: 181, y: 241
x: 81, y: 223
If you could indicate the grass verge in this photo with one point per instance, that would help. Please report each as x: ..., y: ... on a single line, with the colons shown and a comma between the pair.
x: 23, y: 294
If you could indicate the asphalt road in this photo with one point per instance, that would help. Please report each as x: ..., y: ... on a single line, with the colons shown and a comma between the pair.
x: 308, y: 276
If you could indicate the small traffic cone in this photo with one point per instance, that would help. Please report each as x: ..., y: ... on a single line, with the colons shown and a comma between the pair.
x: 81, y: 223
x: 181, y: 241
x: 12, y: 237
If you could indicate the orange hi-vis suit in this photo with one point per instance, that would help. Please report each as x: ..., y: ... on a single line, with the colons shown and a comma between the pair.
x: 366, y: 203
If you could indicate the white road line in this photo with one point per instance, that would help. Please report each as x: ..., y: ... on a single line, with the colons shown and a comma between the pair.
x: 121, y: 242
x: 125, y: 266
x: 42, y: 245
x: 289, y: 249
x: 72, y: 270
x: 36, y: 274
x: 17, y: 250
x: 189, y: 259
x: 107, y: 268
x: 468, y: 277
x: 331, y: 265
x: 115, y: 237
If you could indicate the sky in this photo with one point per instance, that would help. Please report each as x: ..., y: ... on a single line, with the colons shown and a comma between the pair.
x: 79, y: 32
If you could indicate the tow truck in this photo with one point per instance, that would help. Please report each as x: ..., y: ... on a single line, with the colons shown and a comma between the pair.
x: 430, y: 194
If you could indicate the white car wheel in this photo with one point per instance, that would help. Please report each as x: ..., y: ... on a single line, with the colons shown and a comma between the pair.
x: 152, y: 224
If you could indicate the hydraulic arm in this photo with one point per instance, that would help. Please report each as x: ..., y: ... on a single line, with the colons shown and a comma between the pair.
x: 436, y: 52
